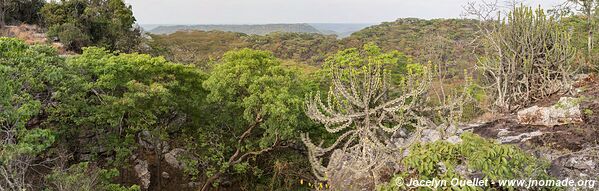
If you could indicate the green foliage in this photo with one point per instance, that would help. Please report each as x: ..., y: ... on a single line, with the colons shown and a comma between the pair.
x: 26, y: 72
x: 494, y: 161
x: 578, y: 27
x: 14, y: 12
x: 443, y: 42
x: 395, y: 63
x: 85, y: 177
x: 309, y: 48
x: 196, y: 47
x: 201, y: 48
x: 80, y: 23
x: 126, y: 93
x: 254, y: 104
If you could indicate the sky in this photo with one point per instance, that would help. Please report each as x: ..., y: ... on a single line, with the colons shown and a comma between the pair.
x: 297, y: 11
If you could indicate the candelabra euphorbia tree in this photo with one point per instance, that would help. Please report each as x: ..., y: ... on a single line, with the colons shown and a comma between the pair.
x: 376, y: 112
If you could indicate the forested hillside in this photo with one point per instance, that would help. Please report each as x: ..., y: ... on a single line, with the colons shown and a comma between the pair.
x: 247, y: 29
x: 89, y: 102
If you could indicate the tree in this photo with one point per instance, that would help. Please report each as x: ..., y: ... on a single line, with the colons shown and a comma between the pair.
x: 118, y: 97
x: 26, y: 75
x: 529, y: 58
x: 103, y: 23
x: 20, y: 11
x: 254, y: 108
x: 589, y: 9
x: 361, y: 108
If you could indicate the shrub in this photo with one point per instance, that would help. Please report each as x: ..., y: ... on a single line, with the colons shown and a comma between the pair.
x: 442, y: 160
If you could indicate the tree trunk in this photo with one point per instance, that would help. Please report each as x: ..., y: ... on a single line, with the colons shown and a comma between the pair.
x: 209, y: 181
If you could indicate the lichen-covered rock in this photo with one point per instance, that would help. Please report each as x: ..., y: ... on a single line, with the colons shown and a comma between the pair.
x: 579, y: 166
x: 566, y: 111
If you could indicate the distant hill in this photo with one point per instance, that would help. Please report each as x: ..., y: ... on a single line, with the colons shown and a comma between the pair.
x: 446, y: 42
x: 340, y: 29
x: 247, y: 29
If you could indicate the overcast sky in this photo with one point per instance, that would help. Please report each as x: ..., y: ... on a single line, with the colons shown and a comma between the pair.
x: 296, y: 11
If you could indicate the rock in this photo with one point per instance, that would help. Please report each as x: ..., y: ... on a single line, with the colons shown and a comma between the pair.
x: 430, y: 135
x: 577, y: 166
x: 453, y: 130
x: 454, y: 139
x: 143, y: 174
x: 144, y: 140
x: 165, y: 175
x: 517, y: 138
x: 566, y: 111
x: 348, y: 171
x: 171, y: 158
x: 580, y: 163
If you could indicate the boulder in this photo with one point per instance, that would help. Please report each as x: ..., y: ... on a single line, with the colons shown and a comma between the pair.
x: 565, y: 111
x: 143, y: 174
x: 171, y: 158
x: 347, y: 171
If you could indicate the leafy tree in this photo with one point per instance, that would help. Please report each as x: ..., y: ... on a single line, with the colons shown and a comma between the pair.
x: 20, y: 11
x: 254, y: 108
x: 85, y: 177
x: 589, y: 9
x: 26, y: 75
x: 116, y: 96
x: 80, y: 23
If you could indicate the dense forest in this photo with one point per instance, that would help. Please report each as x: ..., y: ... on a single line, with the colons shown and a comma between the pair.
x: 89, y: 101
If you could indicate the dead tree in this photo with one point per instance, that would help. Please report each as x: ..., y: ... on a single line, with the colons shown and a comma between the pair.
x: 359, y: 108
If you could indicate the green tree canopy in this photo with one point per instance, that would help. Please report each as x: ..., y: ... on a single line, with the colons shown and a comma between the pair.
x: 255, y: 106
x: 80, y: 23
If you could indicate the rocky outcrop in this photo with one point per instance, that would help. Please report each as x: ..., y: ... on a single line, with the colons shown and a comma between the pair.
x: 143, y: 173
x: 579, y: 166
x: 566, y: 111
x: 504, y: 136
